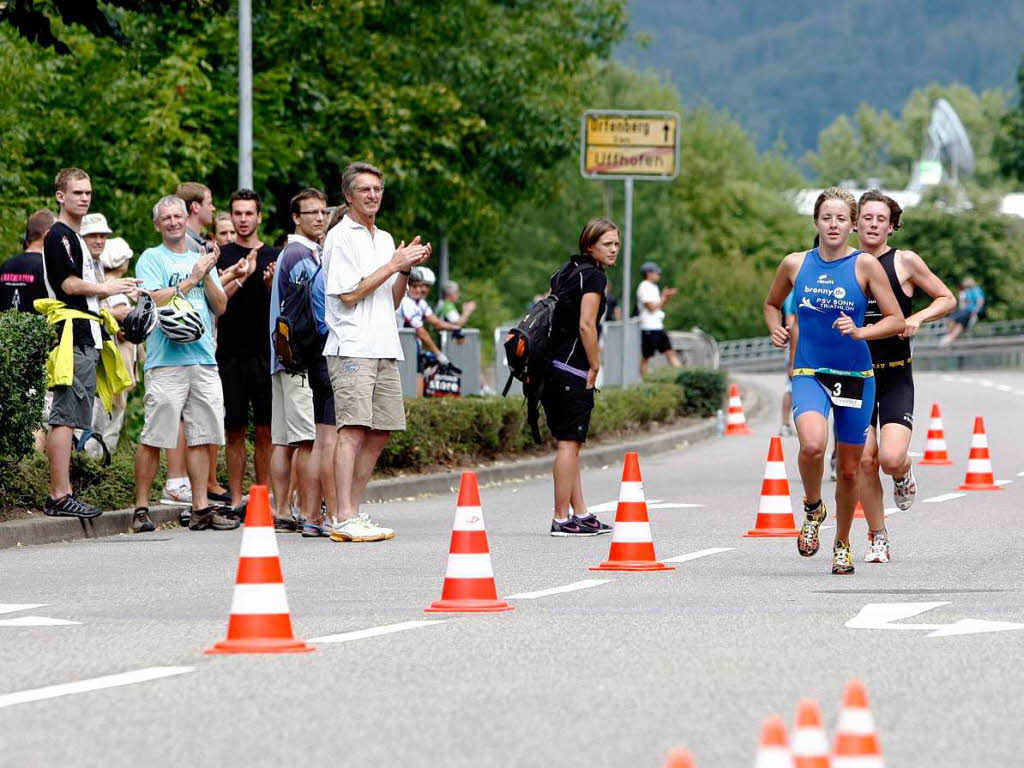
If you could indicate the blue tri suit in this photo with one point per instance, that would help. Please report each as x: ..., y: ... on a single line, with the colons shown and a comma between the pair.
x: 823, y: 290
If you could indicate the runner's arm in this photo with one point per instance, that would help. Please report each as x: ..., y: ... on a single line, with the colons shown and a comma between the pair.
x: 781, y: 286
x: 943, y: 301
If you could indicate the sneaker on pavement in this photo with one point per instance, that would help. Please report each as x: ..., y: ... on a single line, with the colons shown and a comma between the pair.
x: 313, y: 531
x: 208, y: 518
x: 185, y: 517
x: 237, y: 513
x: 571, y: 527
x: 904, y: 490
x: 178, y: 496
x: 286, y: 525
x: 878, y: 548
x: 222, y: 499
x: 842, y: 558
x: 359, y: 528
x: 69, y: 506
x: 808, y: 542
x: 141, y: 522
x: 591, y: 523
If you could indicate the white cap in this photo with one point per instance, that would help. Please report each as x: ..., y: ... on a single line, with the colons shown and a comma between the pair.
x: 94, y: 224
x: 116, y: 253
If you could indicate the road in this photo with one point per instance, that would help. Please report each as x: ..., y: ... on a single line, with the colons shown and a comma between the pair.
x: 613, y: 674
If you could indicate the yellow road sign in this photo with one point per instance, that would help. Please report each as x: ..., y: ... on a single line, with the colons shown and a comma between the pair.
x: 616, y: 144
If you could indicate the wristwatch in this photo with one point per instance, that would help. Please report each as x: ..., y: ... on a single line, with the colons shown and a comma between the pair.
x: 405, y: 272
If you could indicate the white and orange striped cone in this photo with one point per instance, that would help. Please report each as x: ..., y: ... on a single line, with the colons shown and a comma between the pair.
x: 632, y: 546
x: 469, y: 579
x: 856, y: 739
x: 773, y: 751
x: 774, y: 510
x: 858, y: 512
x: 979, y: 464
x: 260, y: 622
x: 810, y: 745
x: 935, y: 452
x: 735, y: 421
x: 679, y: 757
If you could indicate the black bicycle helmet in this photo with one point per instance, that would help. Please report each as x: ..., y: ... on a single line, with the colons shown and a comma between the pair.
x: 141, y: 321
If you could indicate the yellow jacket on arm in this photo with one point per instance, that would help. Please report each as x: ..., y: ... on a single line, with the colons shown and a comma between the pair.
x: 112, y: 376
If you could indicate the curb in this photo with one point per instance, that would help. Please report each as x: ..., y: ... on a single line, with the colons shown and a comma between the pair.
x: 50, y: 530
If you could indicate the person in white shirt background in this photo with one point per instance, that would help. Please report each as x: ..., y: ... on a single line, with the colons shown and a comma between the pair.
x: 650, y: 302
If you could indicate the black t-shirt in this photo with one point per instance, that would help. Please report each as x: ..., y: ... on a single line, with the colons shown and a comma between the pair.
x: 64, y: 256
x: 21, y: 282
x: 576, y: 277
x: 243, y: 331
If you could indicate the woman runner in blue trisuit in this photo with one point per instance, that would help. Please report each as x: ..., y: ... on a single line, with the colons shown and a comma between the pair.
x: 832, y: 367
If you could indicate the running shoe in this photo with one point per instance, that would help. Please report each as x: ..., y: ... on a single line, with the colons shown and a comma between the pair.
x: 878, y: 548
x: 904, y: 490
x: 286, y: 525
x: 808, y: 542
x: 69, y: 506
x: 203, y: 519
x: 572, y: 527
x: 185, y: 517
x: 590, y: 522
x: 842, y: 558
x: 181, y: 495
x: 221, y: 499
x: 786, y: 431
x: 141, y: 522
x: 313, y: 531
x: 360, y: 528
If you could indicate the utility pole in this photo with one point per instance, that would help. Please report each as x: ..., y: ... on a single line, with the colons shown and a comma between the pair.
x: 245, y: 93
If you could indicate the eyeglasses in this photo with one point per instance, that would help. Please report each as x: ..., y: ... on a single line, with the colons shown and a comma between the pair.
x: 368, y: 190
x: 317, y: 212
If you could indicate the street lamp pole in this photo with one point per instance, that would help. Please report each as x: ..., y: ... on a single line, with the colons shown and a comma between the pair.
x: 245, y: 93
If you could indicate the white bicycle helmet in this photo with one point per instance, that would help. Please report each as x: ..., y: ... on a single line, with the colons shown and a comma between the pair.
x: 422, y: 275
x: 180, y: 321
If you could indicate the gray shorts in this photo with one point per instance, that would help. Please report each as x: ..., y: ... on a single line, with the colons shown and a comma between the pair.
x: 367, y: 393
x: 189, y: 393
x: 72, y: 406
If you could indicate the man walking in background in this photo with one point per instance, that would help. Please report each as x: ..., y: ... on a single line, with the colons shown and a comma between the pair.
x: 650, y: 303
x: 243, y: 342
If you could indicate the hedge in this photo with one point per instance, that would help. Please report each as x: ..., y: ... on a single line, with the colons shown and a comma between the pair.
x: 25, y: 342
x: 440, y: 432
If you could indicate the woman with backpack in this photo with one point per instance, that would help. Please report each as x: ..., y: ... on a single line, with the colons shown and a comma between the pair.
x: 568, y: 393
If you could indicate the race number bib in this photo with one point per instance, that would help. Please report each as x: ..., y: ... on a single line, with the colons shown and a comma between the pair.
x: 845, y: 388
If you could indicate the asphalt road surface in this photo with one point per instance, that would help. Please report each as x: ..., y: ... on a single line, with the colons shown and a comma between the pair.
x: 612, y: 672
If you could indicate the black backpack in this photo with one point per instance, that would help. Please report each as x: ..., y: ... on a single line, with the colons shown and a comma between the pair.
x: 297, y: 339
x: 528, y: 349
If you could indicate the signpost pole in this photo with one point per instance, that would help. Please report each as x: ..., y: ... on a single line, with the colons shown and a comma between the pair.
x: 627, y: 257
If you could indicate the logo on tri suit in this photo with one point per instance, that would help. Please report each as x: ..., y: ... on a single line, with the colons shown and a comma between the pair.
x: 824, y: 279
x: 909, y: 418
x: 839, y: 293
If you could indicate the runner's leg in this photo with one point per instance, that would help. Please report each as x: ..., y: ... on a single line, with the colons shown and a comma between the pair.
x: 870, y: 485
x: 847, y: 469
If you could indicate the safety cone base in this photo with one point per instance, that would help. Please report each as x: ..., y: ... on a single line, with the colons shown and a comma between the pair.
x: 259, y: 646
x: 979, y: 487
x: 469, y: 606
x: 632, y: 565
x: 935, y: 463
x: 771, y: 533
x: 738, y: 429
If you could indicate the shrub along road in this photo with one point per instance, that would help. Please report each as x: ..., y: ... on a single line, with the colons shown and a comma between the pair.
x: 611, y: 671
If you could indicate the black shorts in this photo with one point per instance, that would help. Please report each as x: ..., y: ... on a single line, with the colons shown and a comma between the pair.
x: 323, y: 393
x: 653, y: 342
x: 567, y: 405
x: 894, y: 397
x: 962, y: 316
x: 245, y: 381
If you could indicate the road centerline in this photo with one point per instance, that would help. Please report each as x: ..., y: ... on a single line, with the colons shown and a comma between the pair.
x: 92, y: 684
x: 575, y: 586
x: 698, y: 554
x: 385, y: 629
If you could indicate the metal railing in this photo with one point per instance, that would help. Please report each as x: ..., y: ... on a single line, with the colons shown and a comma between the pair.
x: 466, y: 356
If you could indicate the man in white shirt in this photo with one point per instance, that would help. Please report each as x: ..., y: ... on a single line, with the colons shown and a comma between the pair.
x: 650, y: 302
x: 366, y: 278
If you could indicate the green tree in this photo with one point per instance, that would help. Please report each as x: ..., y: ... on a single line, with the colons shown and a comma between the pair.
x: 1009, y: 146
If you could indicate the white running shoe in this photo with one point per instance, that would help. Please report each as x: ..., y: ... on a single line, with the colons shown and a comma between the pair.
x: 905, y: 491
x: 360, y: 528
x: 181, y: 496
x: 878, y: 549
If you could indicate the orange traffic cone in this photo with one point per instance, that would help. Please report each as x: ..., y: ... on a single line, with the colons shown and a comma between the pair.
x: 774, y: 749
x: 856, y: 739
x: 260, y: 622
x: 469, y: 580
x: 632, y: 546
x: 774, y: 511
x: 735, y: 421
x: 935, y: 453
x: 858, y: 512
x: 679, y: 758
x: 810, y: 747
x: 979, y: 465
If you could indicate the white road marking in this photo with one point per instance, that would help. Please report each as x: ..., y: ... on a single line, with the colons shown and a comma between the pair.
x: 943, y: 497
x: 94, y: 684
x: 386, y: 629
x: 1020, y: 474
x: 576, y: 585
x: 1004, y: 388
x: 612, y: 506
x: 673, y: 505
x: 37, y: 621
x: 882, y: 616
x: 914, y: 454
x: 987, y: 383
x: 12, y: 607
x: 694, y: 555
x: 1003, y: 482
x: 948, y: 378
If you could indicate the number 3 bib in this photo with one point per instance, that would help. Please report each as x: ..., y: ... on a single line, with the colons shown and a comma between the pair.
x: 844, y: 388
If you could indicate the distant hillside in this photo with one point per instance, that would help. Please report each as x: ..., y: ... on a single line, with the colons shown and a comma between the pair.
x: 790, y: 68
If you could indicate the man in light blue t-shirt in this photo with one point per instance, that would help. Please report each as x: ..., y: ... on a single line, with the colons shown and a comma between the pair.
x: 182, y: 381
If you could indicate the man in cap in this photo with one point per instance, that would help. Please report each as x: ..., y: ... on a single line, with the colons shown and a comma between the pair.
x: 650, y: 302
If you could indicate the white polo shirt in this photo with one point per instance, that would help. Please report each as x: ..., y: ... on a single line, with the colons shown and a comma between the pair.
x: 368, y: 329
x: 649, y: 320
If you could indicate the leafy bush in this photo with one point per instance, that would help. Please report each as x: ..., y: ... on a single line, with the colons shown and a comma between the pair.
x: 25, y: 342
x: 704, y: 390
